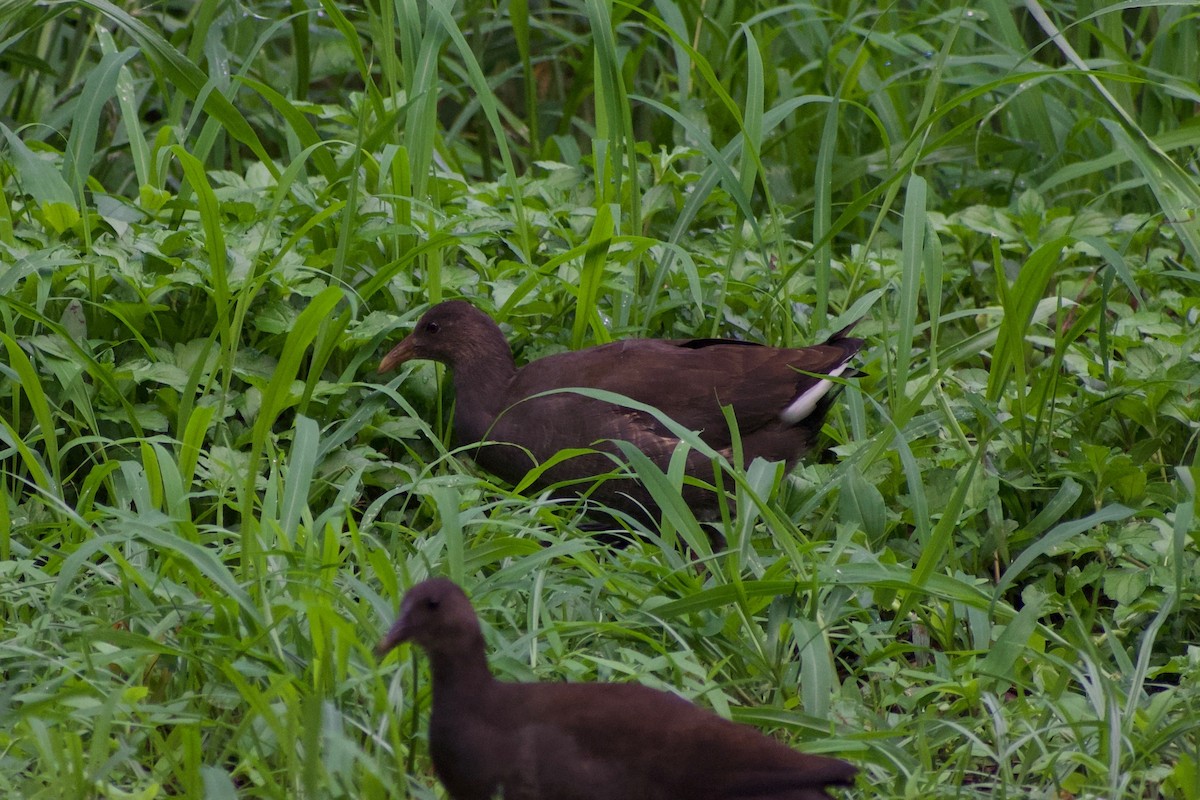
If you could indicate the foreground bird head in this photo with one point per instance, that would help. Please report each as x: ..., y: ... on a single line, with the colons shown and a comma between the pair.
x: 438, y: 617
x: 449, y: 333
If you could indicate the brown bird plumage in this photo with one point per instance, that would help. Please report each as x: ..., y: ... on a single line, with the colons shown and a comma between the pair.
x: 779, y: 409
x: 583, y: 741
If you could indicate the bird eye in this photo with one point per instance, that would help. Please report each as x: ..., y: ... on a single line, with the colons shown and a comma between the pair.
x: 432, y: 603
x: 432, y: 327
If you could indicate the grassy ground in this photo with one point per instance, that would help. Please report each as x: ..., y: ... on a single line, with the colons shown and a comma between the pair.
x: 216, y: 216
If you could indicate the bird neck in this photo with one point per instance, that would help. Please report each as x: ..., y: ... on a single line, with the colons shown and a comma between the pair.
x: 460, y: 675
x: 481, y: 379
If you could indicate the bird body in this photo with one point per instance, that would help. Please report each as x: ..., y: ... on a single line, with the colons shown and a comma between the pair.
x: 779, y: 398
x: 583, y: 741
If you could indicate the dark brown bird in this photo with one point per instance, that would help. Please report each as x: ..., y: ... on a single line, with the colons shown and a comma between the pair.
x: 778, y: 397
x: 583, y: 741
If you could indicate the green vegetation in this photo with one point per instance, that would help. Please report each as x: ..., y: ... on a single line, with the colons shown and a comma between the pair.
x: 216, y: 215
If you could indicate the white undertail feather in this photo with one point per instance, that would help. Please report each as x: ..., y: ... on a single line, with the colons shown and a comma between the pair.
x: 804, y: 405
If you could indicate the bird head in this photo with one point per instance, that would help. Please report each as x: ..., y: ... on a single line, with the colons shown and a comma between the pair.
x: 437, y: 616
x: 446, y: 333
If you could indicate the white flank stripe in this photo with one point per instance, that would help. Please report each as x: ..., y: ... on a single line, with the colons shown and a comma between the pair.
x: 803, y: 405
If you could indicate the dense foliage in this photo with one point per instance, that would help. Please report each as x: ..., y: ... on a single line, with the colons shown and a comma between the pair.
x: 216, y: 215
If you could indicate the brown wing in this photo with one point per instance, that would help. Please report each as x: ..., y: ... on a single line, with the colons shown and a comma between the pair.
x: 689, y: 381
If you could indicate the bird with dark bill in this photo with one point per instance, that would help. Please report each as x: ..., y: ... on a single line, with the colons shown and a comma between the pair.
x: 779, y: 398
x: 583, y: 741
